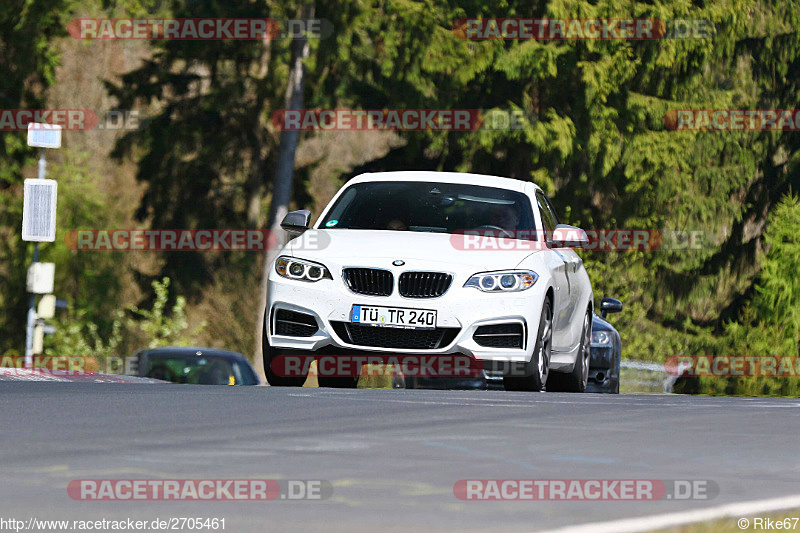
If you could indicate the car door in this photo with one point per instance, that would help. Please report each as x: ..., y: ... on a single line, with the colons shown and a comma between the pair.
x: 557, y: 262
x: 572, y: 313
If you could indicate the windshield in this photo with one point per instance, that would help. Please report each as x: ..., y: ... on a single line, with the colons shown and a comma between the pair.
x: 429, y: 207
x: 199, y: 370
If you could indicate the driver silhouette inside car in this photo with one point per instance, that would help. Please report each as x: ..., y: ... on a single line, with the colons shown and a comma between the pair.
x: 397, y: 225
x: 504, y: 217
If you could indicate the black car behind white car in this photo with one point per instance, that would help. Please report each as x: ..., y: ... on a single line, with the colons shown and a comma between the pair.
x: 606, y: 350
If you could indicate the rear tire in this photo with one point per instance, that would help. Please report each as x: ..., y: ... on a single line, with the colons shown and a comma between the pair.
x: 268, y: 354
x: 537, y: 370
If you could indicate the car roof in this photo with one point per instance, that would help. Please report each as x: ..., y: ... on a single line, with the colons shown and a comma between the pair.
x: 191, y: 350
x: 445, y: 177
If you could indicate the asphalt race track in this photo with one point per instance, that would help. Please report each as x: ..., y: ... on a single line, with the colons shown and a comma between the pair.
x: 392, y: 456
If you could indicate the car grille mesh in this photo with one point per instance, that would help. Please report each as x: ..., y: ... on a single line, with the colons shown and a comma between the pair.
x: 369, y: 281
x: 294, y: 324
x: 500, y: 336
x: 424, y: 284
x: 383, y: 337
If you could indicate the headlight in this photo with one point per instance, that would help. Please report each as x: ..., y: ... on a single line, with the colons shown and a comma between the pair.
x: 508, y: 281
x: 300, y: 269
x: 601, y: 338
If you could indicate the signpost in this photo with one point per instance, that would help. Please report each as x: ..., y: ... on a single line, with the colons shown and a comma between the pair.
x: 44, y: 135
x: 39, y: 225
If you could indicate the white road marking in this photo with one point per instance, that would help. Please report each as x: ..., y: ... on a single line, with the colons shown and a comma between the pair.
x: 445, y: 400
x: 682, y: 518
x: 531, y: 400
x: 450, y: 401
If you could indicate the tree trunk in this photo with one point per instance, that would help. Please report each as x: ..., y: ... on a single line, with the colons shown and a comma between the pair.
x: 255, y: 184
x: 284, y: 171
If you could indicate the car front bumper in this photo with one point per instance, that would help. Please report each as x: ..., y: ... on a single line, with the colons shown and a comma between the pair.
x: 460, y: 311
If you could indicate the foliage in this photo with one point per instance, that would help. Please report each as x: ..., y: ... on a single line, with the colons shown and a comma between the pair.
x: 132, y: 329
x: 164, y: 329
x: 28, y: 63
x: 777, y: 300
x: 770, y: 322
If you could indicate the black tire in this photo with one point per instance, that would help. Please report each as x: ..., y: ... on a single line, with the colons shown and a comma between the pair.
x: 268, y: 354
x: 577, y: 380
x: 337, y: 382
x: 537, y: 370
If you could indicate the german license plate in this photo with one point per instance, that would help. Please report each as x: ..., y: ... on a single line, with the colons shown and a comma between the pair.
x: 399, y: 317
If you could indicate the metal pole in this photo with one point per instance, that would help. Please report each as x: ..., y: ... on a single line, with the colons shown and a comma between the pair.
x: 31, y: 319
x: 32, y: 308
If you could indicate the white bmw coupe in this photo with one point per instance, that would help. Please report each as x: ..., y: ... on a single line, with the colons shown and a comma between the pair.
x: 436, y: 264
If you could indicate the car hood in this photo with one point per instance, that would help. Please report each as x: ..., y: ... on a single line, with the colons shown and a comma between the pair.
x: 416, y: 249
x: 601, y: 324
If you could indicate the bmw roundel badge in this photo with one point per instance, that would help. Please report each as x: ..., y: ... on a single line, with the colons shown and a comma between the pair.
x: 398, y: 263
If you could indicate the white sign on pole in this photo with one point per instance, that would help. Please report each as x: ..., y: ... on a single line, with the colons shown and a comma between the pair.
x: 44, y: 135
x: 47, y: 306
x: 38, y: 340
x: 41, y: 277
x: 39, y: 210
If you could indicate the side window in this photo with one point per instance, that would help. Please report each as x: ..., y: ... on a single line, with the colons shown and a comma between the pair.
x: 549, y: 219
x: 552, y: 211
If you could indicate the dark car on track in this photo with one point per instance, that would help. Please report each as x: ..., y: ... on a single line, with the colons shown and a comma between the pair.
x: 606, y: 350
x: 605, y: 355
x: 196, y: 366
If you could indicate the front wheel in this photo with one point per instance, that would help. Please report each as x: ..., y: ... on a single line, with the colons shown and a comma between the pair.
x: 577, y: 380
x: 538, y: 369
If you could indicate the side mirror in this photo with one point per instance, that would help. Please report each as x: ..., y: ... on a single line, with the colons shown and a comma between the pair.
x: 609, y: 305
x: 566, y: 236
x: 296, y: 221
